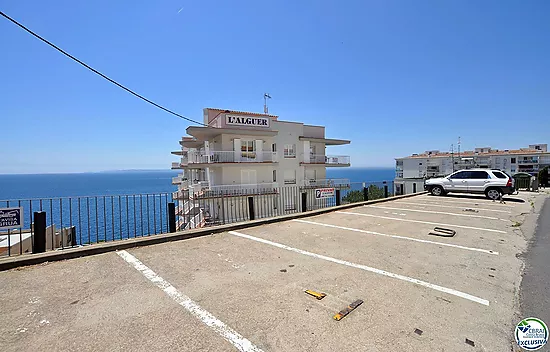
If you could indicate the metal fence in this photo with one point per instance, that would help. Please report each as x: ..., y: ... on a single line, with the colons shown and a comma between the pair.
x: 75, y: 221
x: 80, y: 221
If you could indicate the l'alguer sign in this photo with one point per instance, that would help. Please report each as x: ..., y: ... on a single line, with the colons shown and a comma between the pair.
x: 247, y: 121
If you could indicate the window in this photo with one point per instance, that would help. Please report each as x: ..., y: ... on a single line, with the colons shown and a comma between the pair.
x: 273, y: 147
x: 274, y: 175
x: 290, y: 151
x: 460, y: 175
x: 499, y: 174
x: 478, y: 175
x: 513, y: 160
x: 248, y: 146
x: 290, y: 177
x: 419, y: 163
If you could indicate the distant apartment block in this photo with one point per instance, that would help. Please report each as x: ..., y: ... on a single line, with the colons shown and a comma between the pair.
x: 411, y: 171
x: 240, y: 154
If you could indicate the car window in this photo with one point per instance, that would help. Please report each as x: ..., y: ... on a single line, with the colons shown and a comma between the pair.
x: 478, y: 175
x: 499, y: 174
x: 460, y: 175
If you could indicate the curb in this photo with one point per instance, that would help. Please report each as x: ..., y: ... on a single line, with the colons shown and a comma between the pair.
x: 70, y: 253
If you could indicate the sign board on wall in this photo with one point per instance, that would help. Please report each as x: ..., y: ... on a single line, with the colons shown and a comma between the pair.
x: 236, y: 120
x: 11, y: 218
x: 322, y: 193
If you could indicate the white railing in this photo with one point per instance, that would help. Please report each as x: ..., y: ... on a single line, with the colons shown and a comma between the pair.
x: 329, y: 182
x: 176, y: 166
x: 328, y: 159
x: 337, y: 160
x: 529, y: 161
x: 232, y: 157
x: 176, y: 180
x: 198, y: 187
x: 241, y: 189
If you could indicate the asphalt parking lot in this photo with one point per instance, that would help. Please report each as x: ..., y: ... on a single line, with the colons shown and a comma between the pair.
x: 244, y: 290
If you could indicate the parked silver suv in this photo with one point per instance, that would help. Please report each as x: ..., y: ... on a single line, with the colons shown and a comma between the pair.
x: 492, y: 183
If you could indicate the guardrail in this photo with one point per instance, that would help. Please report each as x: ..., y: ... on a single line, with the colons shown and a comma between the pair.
x: 327, y: 159
x: 232, y: 157
x: 329, y: 182
x: 76, y: 221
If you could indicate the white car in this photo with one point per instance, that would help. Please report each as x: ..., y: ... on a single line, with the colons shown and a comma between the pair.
x: 492, y: 183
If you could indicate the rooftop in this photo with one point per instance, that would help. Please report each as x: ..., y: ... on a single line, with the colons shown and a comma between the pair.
x: 242, y: 112
x: 486, y: 151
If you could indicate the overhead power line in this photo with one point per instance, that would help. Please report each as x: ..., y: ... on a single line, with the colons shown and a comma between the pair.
x: 97, y: 72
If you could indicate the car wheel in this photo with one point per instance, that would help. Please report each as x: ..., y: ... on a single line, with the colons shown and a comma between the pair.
x: 437, y: 191
x: 493, y: 193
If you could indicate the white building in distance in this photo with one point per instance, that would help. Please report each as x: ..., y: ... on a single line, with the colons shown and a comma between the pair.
x: 241, y: 154
x: 411, y: 171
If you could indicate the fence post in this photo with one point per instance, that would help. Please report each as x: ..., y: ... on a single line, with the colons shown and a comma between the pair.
x: 39, y: 232
x: 337, y: 197
x: 365, y: 194
x: 385, y: 190
x: 304, y: 202
x: 251, y: 208
x: 171, y: 217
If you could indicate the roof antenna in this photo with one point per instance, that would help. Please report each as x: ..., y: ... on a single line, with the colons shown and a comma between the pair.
x: 266, y: 96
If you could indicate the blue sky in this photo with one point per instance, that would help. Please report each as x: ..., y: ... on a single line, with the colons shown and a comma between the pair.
x: 395, y: 77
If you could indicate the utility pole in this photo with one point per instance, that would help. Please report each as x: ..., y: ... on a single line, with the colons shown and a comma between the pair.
x: 453, y: 156
x: 266, y: 96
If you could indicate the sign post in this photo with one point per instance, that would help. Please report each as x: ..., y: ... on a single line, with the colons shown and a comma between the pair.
x: 11, y: 218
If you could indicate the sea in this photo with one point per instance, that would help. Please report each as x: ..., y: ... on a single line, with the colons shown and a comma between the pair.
x: 129, y: 182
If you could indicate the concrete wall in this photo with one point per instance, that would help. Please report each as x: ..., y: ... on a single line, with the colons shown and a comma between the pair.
x: 232, y: 174
x: 314, y: 131
x: 289, y: 133
x: 407, y: 186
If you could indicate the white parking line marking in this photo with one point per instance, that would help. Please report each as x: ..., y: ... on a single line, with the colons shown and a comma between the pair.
x: 473, y: 202
x: 422, y: 222
x: 399, y: 237
x: 432, y: 212
x: 236, y: 339
x: 449, y: 206
x: 367, y: 268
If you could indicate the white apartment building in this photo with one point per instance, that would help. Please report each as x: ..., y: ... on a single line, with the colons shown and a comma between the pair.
x: 411, y: 171
x: 241, y: 154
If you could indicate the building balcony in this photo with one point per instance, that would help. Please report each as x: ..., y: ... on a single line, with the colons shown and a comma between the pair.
x: 329, y: 182
x: 202, y: 189
x: 215, y: 191
x: 529, y: 161
x: 528, y: 170
x: 327, y: 160
x: 177, y: 180
x: 230, y: 157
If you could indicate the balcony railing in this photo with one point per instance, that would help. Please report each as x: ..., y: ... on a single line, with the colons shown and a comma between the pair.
x: 238, y: 190
x: 332, y: 182
x: 529, y: 161
x: 328, y: 159
x: 232, y: 157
